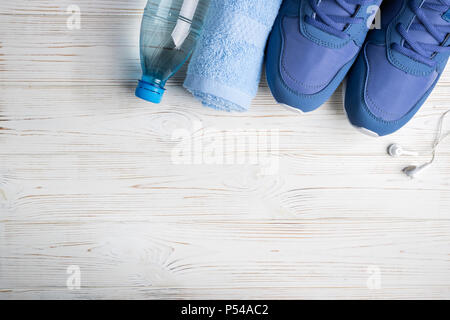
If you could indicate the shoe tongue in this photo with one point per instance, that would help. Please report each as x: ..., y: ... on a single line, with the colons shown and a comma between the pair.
x: 423, y: 36
x: 332, y: 8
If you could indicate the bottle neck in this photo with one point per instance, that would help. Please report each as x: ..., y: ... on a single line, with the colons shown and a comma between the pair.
x: 160, y: 84
x: 150, y: 89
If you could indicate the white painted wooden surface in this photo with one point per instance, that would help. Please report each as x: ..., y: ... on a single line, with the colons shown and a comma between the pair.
x: 87, y: 180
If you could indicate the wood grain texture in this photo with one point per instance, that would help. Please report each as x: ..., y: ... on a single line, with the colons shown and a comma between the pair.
x: 87, y: 178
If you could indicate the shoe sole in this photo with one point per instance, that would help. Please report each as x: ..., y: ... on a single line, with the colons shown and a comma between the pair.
x: 290, y: 108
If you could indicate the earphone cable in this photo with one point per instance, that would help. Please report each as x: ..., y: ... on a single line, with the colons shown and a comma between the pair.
x: 439, y: 137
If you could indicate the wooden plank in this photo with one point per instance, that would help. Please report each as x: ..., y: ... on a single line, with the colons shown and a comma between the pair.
x: 88, y: 178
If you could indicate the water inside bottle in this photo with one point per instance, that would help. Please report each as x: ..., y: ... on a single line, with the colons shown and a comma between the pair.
x: 169, y: 31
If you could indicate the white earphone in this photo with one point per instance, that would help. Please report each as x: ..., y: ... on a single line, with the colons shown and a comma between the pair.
x: 412, y: 171
x: 395, y: 150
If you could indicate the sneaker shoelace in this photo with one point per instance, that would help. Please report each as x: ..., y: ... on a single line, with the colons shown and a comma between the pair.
x: 331, y: 23
x: 425, y: 52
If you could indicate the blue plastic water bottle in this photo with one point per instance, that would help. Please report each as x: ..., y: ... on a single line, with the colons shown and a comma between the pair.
x: 169, y: 31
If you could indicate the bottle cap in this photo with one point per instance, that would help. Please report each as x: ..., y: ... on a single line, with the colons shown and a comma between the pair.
x: 151, y: 92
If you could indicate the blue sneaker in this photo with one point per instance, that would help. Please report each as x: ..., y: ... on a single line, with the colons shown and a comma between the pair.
x: 399, y: 65
x: 312, y: 46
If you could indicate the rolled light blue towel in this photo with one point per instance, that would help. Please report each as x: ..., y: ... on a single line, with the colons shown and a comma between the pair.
x: 225, y: 68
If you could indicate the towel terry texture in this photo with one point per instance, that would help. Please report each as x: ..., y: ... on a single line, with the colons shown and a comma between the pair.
x: 225, y: 68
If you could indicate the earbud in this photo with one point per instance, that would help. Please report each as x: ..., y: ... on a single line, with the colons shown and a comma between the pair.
x: 395, y: 150
x: 413, y: 171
